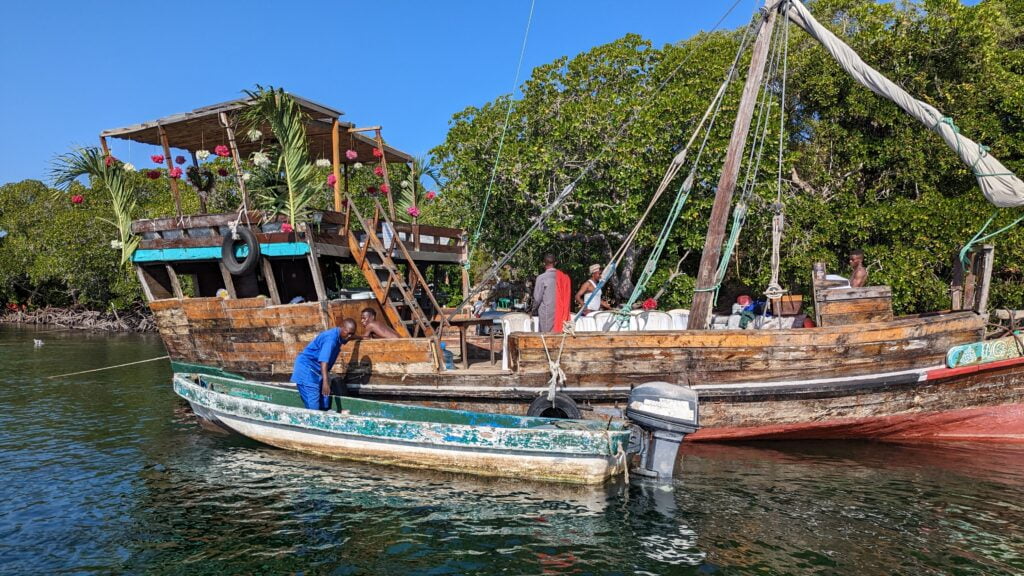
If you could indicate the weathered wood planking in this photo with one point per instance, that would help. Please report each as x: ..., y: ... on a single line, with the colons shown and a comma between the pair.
x: 693, y: 357
x: 253, y: 336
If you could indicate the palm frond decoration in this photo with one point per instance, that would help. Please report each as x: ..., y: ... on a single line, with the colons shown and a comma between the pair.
x: 103, y: 174
x: 274, y: 107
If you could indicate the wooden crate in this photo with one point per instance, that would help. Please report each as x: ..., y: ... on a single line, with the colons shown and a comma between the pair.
x: 842, y: 306
x: 788, y: 305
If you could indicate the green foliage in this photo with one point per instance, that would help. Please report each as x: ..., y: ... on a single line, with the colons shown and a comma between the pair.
x: 105, y: 173
x: 858, y: 172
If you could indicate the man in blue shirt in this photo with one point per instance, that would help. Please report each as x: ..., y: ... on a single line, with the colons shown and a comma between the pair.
x: 313, y: 365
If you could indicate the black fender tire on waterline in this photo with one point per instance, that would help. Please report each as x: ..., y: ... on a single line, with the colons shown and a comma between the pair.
x: 562, y: 407
x: 227, y: 252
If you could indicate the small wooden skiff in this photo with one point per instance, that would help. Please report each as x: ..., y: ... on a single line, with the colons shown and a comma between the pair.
x: 576, y: 451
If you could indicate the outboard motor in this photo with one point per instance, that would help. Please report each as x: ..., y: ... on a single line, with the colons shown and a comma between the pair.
x: 667, y: 412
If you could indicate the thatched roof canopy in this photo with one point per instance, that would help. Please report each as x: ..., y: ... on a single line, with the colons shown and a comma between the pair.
x: 201, y: 129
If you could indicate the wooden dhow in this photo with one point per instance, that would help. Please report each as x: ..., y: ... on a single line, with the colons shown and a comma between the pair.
x: 859, y: 373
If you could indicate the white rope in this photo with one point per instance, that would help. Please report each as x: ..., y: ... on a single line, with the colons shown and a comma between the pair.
x: 108, y: 367
x: 555, y: 367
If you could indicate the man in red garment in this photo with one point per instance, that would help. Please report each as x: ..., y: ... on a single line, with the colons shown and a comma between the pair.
x: 552, y: 293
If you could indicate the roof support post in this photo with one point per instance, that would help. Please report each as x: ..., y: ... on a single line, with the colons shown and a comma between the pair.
x: 200, y: 193
x: 170, y: 164
x: 335, y: 163
x: 704, y: 290
x: 237, y: 161
x: 103, y: 145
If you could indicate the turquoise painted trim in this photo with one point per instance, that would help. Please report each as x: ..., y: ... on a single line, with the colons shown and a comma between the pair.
x: 213, y: 252
x: 190, y: 368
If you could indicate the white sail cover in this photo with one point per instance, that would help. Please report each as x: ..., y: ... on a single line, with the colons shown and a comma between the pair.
x: 1000, y: 186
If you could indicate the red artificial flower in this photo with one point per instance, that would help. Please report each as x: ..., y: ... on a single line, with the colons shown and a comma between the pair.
x: 332, y: 180
x: 110, y: 161
x: 431, y: 195
x: 153, y: 174
x: 385, y: 189
x: 351, y: 154
x: 378, y: 170
x: 371, y: 189
x: 377, y: 153
x: 286, y: 227
x: 157, y: 159
x: 179, y: 159
x: 174, y: 172
x: 650, y: 304
x: 222, y: 151
x: 77, y: 199
x: 222, y: 171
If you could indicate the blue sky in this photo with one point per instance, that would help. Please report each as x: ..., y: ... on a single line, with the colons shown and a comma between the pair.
x: 72, y: 69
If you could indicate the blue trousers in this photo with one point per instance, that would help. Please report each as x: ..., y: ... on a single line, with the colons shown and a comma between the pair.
x: 312, y: 397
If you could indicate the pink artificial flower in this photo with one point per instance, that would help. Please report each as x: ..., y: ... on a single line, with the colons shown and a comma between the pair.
x: 413, y: 211
x: 110, y: 161
x: 378, y: 170
x: 157, y: 159
x: 179, y: 159
x: 222, y: 171
x: 174, y: 172
x: 351, y: 154
x: 377, y: 153
x: 431, y: 195
x: 77, y: 199
x: 153, y: 174
x: 371, y: 189
x: 650, y: 304
x: 332, y: 180
x: 222, y: 151
x: 286, y: 227
x: 385, y: 189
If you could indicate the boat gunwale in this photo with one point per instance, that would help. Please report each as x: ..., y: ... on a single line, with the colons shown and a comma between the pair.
x: 587, y: 442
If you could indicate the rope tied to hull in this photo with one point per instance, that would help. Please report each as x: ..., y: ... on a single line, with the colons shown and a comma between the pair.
x: 555, y: 367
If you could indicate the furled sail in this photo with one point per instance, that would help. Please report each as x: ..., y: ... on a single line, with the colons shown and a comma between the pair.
x: 1000, y: 186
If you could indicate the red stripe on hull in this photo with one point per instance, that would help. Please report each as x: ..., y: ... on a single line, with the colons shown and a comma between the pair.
x: 985, y: 424
x: 940, y: 373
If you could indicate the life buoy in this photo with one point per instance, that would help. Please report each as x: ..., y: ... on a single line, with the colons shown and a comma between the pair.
x: 562, y: 407
x: 227, y: 252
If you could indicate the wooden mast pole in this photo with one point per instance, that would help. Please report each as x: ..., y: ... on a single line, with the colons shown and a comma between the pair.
x: 703, y: 296
x: 170, y: 164
x: 224, y: 121
x: 335, y: 163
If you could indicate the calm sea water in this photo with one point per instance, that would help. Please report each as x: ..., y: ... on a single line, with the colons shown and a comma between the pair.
x: 110, y: 473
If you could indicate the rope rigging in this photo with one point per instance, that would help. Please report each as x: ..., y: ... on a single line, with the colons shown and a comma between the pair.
x: 779, y: 53
x: 539, y: 221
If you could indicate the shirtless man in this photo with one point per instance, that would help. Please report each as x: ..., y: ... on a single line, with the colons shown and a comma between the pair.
x: 859, y: 277
x: 372, y: 328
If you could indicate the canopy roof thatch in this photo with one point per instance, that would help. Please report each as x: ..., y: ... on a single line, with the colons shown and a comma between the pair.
x: 201, y: 129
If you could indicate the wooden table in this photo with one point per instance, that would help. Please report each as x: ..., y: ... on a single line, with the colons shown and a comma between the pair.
x: 464, y: 322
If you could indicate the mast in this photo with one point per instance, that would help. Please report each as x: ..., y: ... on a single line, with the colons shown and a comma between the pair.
x: 703, y: 297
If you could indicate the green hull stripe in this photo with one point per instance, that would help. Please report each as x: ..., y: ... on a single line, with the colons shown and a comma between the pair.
x: 213, y: 252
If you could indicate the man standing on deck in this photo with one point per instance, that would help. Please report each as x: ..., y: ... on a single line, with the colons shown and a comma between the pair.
x: 551, y: 294
x: 859, y: 277
x: 313, y: 365
x: 587, y: 303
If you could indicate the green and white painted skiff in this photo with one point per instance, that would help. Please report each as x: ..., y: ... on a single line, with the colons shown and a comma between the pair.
x: 578, y: 451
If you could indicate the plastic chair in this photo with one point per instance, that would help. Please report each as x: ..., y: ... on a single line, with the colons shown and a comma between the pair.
x: 513, y: 322
x: 680, y: 318
x: 654, y: 320
x: 604, y: 321
x: 586, y: 324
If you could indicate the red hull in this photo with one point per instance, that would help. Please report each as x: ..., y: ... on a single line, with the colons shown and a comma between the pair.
x: 1003, y: 424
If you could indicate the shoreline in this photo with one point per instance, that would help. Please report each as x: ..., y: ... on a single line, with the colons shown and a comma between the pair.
x: 134, y: 321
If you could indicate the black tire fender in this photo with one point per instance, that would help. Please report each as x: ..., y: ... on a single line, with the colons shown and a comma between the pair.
x: 227, y: 252
x: 563, y: 404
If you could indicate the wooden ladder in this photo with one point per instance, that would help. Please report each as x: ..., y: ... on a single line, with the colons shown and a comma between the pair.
x: 386, y: 280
